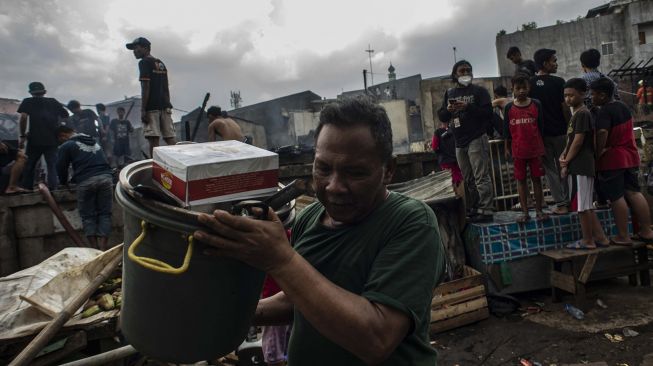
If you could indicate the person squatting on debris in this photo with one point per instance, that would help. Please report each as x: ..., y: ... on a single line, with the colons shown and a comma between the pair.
x: 590, y: 60
x: 523, y: 138
x: 549, y: 90
x: 119, y: 129
x: 224, y: 127
x: 42, y: 115
x: 468, y: 108
x: 92, y: 174
x: 156, y: 110
x: 577, y: 163
x: 12, y: 163
x: 356, y: 294
x: 523, y: 67
x: 618, y: 163
x: 84, y: 120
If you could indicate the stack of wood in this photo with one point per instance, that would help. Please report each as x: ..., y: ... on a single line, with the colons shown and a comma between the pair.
x: 459, y: 302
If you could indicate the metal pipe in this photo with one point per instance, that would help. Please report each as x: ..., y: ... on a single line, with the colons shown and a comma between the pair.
x: 104, y: 358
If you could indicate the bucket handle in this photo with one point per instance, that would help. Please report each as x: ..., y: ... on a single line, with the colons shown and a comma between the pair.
x: 155, y: 264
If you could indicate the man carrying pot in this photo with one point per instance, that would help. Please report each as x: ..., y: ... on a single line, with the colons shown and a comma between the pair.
x: 358, y: 273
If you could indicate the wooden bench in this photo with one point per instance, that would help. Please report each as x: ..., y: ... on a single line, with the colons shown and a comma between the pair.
x: 571, y: 269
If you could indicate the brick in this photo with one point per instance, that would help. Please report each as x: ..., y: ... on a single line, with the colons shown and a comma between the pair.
x: 33, y: 221
x: 8, y: 255
x: 31, y: 251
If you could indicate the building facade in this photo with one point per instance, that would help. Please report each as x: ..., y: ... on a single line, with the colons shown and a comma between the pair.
x: 620, y: 29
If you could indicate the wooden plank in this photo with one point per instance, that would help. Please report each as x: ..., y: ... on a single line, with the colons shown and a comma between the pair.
x: 563, y: 281
x: 453, y: 311
x: 459, y: 321
x: 458, y: 297
x: 456, y: 285
x: 568, y: 254
x: 587, y: 268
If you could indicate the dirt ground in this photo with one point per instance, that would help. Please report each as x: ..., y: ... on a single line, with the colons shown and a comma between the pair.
x: 553, y: 337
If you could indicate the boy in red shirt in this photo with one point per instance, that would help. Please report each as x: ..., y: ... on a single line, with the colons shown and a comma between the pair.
x: 577, y: 162
x: 523, y: 130
x: 618, y: 163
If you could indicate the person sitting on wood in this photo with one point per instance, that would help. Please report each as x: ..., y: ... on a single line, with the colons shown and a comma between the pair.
x: 12, y: 163
x: 224, y: 127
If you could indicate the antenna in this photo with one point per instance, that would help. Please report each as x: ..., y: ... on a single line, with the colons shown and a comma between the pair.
x: 370, y: 51
x: 235, y: 99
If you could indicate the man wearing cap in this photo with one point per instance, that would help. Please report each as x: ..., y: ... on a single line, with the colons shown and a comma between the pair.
x: 156, y: 110
x: 549, y: 90
x: 39, y: 119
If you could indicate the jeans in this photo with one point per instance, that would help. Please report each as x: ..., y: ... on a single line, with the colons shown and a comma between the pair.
x: 34, y: 153
x: 554, y: 146
x: 94, y: 200
x: 474, y: 162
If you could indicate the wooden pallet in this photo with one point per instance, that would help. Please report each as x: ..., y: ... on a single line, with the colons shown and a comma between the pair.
x: 459, y: 302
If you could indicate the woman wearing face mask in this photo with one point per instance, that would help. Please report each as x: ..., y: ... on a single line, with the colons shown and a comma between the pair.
x: 468, y: 110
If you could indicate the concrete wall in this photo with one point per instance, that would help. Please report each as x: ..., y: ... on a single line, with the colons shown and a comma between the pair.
x: 302, y: 126
x: 397, y: 111
x: 30, y: 233
x: 569, y: 40
x: 640, y: 15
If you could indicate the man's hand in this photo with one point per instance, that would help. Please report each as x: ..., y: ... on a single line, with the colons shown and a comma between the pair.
x: 3, y: 148
x: 460, y: 106
x: 21, y: 142
x: 260, y: 243
x: 451, y: 108
x: 144, y: 118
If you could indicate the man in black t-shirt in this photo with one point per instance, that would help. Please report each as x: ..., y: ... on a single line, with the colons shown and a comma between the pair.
x: 42, y: 116
x: 549, y: 90
x: 84, y: 120
x: 156, y: 110
x: 120, y: 129
x: 524, y: 67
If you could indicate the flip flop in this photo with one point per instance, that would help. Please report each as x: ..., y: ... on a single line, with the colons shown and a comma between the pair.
x: 579, y: 245
x: 523, y: 219
x: 558, y: 213
x: 602, y: 245
x: 541, y: 216
x: 638, y: 237
x: 622, y: 243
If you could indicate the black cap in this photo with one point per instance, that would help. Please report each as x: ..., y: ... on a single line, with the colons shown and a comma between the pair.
x: 541, y: 56
x: 142, y: 41
x: 73, y: 104
x: 36, y: 87
x: 214, y: 111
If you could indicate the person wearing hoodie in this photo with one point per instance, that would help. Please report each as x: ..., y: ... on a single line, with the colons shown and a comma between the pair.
x: 92, y: 174
x: 468, y: 109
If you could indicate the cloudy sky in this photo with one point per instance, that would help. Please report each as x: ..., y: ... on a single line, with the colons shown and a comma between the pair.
x: 264, y: 48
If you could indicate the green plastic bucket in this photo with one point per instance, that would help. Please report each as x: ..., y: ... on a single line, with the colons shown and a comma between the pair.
x: 178, y: 304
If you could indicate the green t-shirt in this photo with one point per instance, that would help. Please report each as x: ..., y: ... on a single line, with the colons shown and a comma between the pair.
x: 394, y: 257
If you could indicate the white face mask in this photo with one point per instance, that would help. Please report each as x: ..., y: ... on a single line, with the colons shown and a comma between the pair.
x: 465, y: 80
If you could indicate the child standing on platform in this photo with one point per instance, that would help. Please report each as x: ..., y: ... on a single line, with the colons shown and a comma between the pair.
x: 577, y: 163
x: 523, y: 133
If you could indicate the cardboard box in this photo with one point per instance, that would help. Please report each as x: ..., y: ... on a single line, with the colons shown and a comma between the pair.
x: 212, y: 172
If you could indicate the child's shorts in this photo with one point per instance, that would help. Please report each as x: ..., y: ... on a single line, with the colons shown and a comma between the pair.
x: 535, y: 164
x: 582, y: 192
x: 456, y: 174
